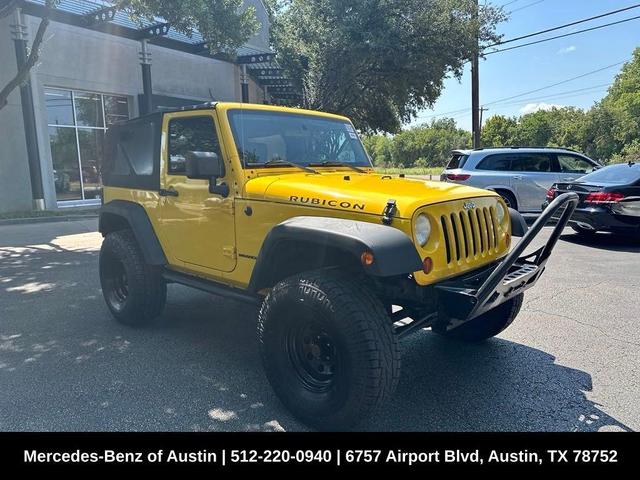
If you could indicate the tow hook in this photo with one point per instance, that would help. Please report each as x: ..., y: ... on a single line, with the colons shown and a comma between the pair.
x: 388, y: 212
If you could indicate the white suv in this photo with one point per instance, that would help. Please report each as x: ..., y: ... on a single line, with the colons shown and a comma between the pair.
x: 521, y: 176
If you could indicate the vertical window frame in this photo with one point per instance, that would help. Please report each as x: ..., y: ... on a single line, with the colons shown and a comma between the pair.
x: 76, y: 128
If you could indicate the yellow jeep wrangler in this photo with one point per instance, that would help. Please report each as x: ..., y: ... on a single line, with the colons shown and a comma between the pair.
x: 281, y: 207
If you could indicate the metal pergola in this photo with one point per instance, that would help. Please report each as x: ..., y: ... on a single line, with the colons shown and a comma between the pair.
x: 102, y: 16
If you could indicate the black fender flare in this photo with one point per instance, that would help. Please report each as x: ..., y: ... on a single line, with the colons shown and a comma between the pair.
x: 119, y: 214
x: 393, y: 251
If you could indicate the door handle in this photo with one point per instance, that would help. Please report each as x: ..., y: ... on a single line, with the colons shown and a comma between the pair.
x: 518, y: 177
x: 168, y: 192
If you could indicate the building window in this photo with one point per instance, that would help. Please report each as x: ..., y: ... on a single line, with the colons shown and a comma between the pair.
x: 77, y: 124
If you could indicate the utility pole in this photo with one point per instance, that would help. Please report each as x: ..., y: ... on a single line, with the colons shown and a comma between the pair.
x: 482, y: 110
x: 475, y: 86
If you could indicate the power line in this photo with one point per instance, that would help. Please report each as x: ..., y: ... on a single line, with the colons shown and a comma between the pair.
x: 526, y: 6
x: 577, y: 22
x: 502, y: 100
x: 563, y: 36
x: 556, y: 84
x: 565, y: 94
x: 552, y: 97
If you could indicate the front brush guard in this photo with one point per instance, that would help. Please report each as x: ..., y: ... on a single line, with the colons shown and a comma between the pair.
x: 465, y: 298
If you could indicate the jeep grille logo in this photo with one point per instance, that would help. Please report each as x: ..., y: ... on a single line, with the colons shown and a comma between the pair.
x: 469, y: 205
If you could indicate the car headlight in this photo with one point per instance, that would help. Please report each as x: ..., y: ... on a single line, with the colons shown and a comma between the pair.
x: 422, y: 229
x: 500, y: 212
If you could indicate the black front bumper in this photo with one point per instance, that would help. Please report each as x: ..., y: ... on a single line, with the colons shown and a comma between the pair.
x: 465, y: 298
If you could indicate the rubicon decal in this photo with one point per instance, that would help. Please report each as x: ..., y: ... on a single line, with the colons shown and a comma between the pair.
x: 323, y: 202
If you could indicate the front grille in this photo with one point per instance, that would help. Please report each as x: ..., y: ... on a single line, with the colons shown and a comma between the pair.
x: 470, y: 233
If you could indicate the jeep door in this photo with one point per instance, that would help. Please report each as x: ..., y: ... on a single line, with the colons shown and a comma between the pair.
x: 197, y: 225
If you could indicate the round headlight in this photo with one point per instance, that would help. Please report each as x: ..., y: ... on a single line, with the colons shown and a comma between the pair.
x: 500, y: 212
x: 422, y: 229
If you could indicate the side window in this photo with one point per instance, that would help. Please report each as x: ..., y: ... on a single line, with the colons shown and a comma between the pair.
x: 531, y: 162
x: 132, y: 155
x: 190, y: 134
x: 574, y: 164
x: 500, y: 163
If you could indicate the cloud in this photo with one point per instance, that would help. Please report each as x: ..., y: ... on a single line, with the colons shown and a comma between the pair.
x: 534, y: 107
x: 565, y: 50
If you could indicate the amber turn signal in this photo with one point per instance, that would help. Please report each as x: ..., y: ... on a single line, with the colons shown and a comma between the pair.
x: 427, y: 265
x: 366, y: 258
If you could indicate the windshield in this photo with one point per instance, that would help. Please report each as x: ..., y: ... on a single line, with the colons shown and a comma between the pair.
x: 273, y: 138
x: 622, y: 174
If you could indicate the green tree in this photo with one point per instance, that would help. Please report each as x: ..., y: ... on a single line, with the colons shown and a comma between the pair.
x: 379, y: 149
x: 428, y: 145
x: 534, y: 130
x: 224, y: 24
x: 601, y: 141
x: 630, y: 153
x: 616, y: 119
x: 377, y: 61
x: 499, y: 131
x: 568, y: 127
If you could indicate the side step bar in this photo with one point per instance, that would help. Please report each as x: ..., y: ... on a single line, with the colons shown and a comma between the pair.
x: 209, y: 286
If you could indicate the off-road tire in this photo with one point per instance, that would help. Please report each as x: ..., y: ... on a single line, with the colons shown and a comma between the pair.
x: 583, y: 232
x: 487, y: 325
x: 359, y: 337
x: 134, y: 291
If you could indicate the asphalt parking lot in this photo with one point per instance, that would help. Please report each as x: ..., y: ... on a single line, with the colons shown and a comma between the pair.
x: 570, y: 362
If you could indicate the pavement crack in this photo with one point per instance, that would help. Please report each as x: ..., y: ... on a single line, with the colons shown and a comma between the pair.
x: 562, y: 291
x: 585, y: 324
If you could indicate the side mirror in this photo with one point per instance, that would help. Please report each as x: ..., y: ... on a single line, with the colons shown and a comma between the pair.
x: 204, y: 165
x: 207, y: 166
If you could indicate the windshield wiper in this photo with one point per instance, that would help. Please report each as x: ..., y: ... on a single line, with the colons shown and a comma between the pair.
x: 278, y: 161
x: 333, y: 163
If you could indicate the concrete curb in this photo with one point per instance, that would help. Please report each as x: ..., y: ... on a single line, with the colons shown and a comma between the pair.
x: 61, y: 218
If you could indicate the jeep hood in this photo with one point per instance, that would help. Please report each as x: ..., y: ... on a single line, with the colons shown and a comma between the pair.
x: 365, y: 193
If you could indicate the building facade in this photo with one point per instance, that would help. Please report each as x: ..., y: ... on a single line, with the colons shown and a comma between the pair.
x: 90, y: 75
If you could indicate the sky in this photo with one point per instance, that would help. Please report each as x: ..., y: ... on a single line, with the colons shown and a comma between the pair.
x: 511, y: 73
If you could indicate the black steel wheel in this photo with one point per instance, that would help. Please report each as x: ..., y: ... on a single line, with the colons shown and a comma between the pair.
x: 134, y: 291
x: 116, y: 285
x: 328, y: 349
x: 313, y: 355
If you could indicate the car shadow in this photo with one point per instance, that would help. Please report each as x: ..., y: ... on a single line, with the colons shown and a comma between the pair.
x: 497, y: 385
x: 604, y: 241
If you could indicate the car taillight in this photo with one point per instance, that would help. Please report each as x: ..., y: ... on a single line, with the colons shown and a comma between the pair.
x: 603, y: 197
x: 551, y: 193
x: 460, y: 177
